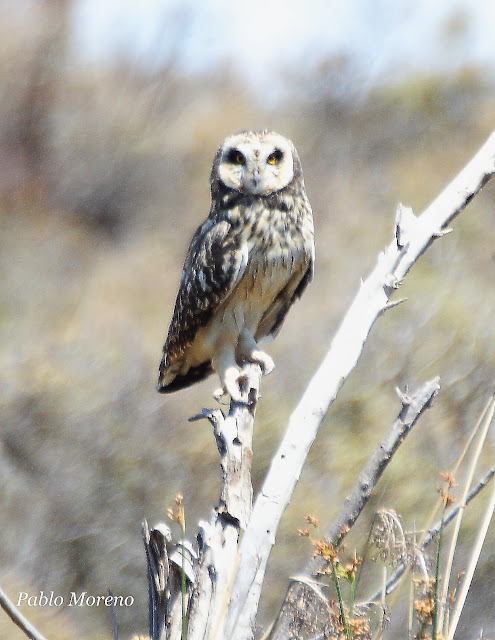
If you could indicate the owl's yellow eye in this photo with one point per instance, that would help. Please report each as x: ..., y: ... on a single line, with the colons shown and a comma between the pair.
x: 236, y: 157
x: 275, y: 157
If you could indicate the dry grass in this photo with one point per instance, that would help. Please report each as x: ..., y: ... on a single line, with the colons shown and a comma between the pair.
x: 412, y: 569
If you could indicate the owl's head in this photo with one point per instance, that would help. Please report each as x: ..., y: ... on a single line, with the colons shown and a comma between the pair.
x: 256, y: 162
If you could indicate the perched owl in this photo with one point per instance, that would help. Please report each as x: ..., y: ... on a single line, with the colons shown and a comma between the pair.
x: 246, y: 264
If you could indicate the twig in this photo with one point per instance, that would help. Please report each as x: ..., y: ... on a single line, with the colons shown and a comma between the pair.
x: 467, y: 484
x: 113, y: 618
x: 461, y: 457
x: 472, y: 494
x: 412, y: 237
x: 461, y: 598
x: 18, y: 619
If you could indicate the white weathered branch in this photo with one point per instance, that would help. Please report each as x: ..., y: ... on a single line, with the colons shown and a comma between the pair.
x: 209, y: 573
x: 218, y: 539
x: 234, y: 438
x: 413, y: 235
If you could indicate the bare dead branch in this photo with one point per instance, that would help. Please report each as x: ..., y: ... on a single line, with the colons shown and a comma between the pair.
x: 234, y: 438
x: 218, y: 539
x: 18, y: 619
x: 212, y: 571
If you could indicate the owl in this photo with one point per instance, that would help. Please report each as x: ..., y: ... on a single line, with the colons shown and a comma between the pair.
x: 246, y: 265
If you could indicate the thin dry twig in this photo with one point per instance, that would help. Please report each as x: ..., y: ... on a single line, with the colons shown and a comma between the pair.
x: 475, y: 430
x: 18, y: 619
x: 459, y: 603
x: 478, y: 545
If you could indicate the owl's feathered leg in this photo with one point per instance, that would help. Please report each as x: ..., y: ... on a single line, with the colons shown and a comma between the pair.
x: 225, y: 365
x: 247, y: 349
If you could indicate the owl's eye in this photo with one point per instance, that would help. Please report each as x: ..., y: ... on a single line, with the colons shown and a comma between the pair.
x: 236, y: 157
x: 274, y: 157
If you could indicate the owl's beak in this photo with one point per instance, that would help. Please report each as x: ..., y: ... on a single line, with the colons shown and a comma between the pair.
x: 255, y: 178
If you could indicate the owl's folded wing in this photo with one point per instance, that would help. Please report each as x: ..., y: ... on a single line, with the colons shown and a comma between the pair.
x: 214, y: 264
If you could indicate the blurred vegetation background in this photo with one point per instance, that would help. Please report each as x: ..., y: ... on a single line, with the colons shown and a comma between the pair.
x: 104, y: 172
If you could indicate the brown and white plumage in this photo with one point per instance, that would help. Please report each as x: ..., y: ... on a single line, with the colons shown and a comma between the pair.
x: 246, y: 264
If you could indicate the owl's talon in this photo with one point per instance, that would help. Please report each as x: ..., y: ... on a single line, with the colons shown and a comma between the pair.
x: 264, y: 360
x: 232, y: 381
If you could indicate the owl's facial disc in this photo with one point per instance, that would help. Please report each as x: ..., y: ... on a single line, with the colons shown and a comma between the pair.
x: 256, y: 163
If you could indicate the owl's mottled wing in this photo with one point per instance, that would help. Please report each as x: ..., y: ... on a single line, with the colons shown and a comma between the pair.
x: 214, y: 264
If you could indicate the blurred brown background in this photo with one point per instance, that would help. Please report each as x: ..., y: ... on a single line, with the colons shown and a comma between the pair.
x: 104, y: 166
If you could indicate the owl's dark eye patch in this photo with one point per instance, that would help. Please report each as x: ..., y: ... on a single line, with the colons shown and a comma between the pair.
x: 275, y: 157
x: 236, y: 157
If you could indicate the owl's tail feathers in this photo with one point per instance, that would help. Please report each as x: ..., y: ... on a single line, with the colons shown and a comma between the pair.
x: 170, y: 381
